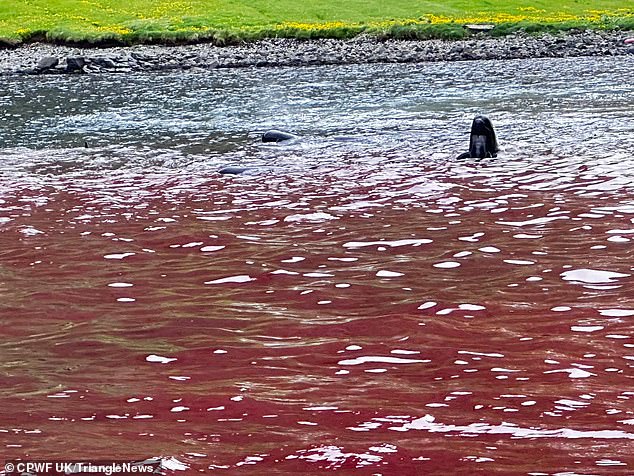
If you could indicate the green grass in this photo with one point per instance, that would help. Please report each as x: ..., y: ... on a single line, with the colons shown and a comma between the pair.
x: 227, y: 21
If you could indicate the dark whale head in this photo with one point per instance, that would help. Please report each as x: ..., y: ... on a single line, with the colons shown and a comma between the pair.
x: 482, y: 142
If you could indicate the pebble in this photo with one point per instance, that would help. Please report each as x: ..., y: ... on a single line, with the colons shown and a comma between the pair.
x: 41, y: 58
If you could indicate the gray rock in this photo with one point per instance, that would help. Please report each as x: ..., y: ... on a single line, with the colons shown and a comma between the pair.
x: 46, y: 63
x: 287, y: 52
x: 102, y: 62
x: 75, y: 64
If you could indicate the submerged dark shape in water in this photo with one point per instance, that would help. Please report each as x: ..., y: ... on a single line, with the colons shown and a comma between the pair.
x: 482, y: 141
x: 269, y: 136
x: 276, y: 136
x: 232, y: 170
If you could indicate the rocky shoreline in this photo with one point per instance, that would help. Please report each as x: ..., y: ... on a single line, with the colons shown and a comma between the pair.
x: 40, y: 58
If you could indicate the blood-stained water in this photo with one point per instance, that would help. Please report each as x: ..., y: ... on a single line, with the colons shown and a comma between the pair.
x: 358, y: 303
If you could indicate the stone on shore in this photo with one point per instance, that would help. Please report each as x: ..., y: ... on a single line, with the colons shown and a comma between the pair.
x: 46, y: 63
x: 40, y: 58
x: 75, y: 64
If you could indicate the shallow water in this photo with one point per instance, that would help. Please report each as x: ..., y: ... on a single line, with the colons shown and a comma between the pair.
x: 359, y: 303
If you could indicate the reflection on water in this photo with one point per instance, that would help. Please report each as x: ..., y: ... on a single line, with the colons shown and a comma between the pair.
x: 361, y: 305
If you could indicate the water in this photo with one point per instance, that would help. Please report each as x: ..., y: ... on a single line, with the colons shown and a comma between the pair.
x: 359, y: 303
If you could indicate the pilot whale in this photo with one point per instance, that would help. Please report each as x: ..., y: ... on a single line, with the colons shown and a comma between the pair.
x: 482, y: 140
x: 277, y: 136
x: 269, y: 136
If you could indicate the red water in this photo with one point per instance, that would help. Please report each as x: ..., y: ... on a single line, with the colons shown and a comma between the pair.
x: 351, y: 322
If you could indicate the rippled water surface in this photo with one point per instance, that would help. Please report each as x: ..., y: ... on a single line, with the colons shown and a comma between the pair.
x: 358, y: 303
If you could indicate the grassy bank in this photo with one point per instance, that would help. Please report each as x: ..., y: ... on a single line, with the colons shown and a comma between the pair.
x: 228, y: 21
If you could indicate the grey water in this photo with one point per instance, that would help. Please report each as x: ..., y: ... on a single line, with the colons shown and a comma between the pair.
x: 578, y: 110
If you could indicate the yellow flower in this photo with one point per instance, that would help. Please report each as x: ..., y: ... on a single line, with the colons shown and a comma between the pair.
x: 116, y: 29
x: 524, y: 14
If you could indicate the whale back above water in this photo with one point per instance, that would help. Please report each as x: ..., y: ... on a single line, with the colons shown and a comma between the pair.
x: 232, y: 170
x: 276, y: 136
x: 273, y: 136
